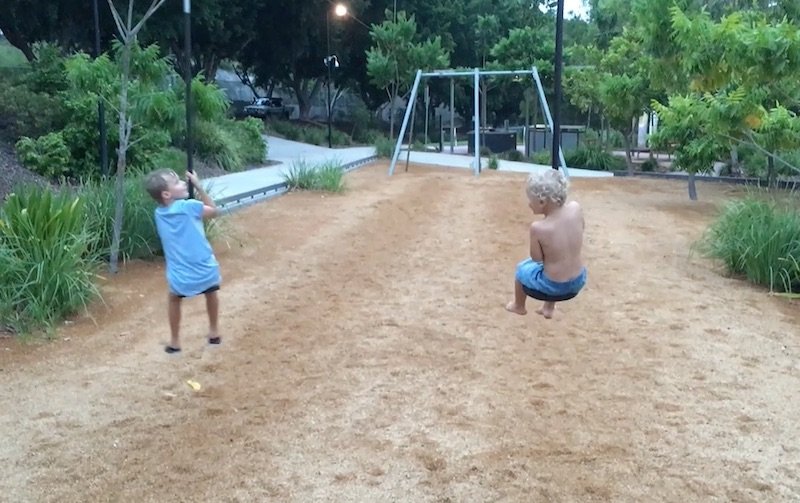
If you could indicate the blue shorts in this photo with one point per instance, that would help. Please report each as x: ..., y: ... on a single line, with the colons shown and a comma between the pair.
x: 535, y: 284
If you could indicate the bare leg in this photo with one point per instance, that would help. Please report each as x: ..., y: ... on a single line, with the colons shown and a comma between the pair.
x: 547, y: 309
x: 174, y: 320
x: 212, y: 306
x: 517, y: 306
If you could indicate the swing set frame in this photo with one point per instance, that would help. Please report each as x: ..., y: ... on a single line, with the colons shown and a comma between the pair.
x: 476, y: 74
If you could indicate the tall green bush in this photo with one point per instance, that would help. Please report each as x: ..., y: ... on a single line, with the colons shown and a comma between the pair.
x: 758, y: 239
x: 139, y: 238
x: 46, y: 264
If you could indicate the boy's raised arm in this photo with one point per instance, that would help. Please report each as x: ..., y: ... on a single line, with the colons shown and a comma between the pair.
x: 210, y: 209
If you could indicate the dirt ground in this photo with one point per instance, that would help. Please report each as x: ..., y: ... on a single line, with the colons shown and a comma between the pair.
x: 367, y: 357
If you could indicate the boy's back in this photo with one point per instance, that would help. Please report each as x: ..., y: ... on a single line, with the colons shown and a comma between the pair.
x: 560, y: 235
x: 191, y: 264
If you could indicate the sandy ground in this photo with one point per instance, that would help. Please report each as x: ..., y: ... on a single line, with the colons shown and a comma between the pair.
x: 367, y: 357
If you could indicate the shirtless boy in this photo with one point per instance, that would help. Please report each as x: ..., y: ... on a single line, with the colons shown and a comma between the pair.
x: 554, y: 272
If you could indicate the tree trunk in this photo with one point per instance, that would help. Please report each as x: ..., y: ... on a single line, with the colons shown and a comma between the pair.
x: 210, y: 66
x: 392, y: 98
x: 771, y: 172
x: 692, y: 187
x: 303, y: 95
x: 603, y: 131
x: 735, y: 171
x: 124, y: 136
x: 628, y: 159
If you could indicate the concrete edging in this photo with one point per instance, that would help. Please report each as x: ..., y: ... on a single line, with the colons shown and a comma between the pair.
x: 238, y: 201
x: 783, y: 184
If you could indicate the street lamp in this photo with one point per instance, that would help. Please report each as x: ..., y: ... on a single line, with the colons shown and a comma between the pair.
x: 557, y: 84
x: 331, y: 61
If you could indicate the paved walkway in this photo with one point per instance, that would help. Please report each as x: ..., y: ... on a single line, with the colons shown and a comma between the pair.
x: 245, y: 187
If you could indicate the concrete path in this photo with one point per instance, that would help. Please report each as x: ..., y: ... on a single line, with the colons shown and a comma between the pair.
x: 245, y: 187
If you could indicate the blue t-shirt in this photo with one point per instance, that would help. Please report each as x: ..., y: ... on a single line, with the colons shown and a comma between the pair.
x: 191, y: 265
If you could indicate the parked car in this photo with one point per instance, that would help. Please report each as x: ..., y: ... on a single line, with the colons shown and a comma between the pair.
x: 268, y: 107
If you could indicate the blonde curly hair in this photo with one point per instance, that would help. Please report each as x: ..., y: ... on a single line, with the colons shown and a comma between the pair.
x: 549, y: 185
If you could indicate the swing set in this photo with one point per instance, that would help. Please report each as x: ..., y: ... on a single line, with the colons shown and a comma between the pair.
x: 476, y: 75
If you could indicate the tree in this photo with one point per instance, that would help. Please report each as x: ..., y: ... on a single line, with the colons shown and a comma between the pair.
x: 65, y: 23
x: 684, y: 122
x: 220, y: 29
x: 127, y: 34
x: 396, y: 55
x: 624, y: 85
x: 743, y: 72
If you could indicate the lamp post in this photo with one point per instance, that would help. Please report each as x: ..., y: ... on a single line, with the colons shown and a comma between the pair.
x: 331, y: 61
x: 187, y: 49
x: 557, y: 83
x: 101, y: 112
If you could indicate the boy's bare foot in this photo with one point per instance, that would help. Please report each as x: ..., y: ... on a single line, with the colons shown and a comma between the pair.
x: 547, y: 312
x: 512, y: 307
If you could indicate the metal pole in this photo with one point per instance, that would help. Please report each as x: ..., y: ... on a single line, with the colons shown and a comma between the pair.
x: 427, y: 111
x: 405, y: 123
x: 477, y: 118
x: 328, y: 64
x: 101, y: 109
x: 557, y: 84
x: 547, y: 117
x: 187, y: 39
x: 452, y: 115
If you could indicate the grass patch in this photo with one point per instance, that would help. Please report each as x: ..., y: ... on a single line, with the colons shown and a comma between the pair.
x: 758, y: 238
x: 326, y: 177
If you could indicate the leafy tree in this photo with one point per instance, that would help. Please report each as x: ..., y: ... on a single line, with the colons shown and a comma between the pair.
x: 396, y: 55
x: 624, y: 85
x: 743, y: 72
x: 127, y: 33
x: 220, y: 29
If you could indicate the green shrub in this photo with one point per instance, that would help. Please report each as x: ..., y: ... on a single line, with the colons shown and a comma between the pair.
x: 47, y: 155
x: 759, y: 240
x: 493, y: 162
x: 542, y: 157
x: 328, y: 177
x: 649, y: 165
x: 27, y: 113
x: 249, y: 134
x: 139, y: 238
x: 300, y: 176
x: 593, y: 157
x: 514, y: 155
x: 217, y: 145
x: 384, y: 147
x: 46, y: 264
x: 173, y: 159
x: 316, y: 136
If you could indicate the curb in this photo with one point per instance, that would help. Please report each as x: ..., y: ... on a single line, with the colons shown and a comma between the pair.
x: 231, y: 203
x: 783, y: 184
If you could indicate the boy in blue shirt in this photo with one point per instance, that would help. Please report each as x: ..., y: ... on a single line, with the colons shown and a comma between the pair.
x: 192, y: 268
